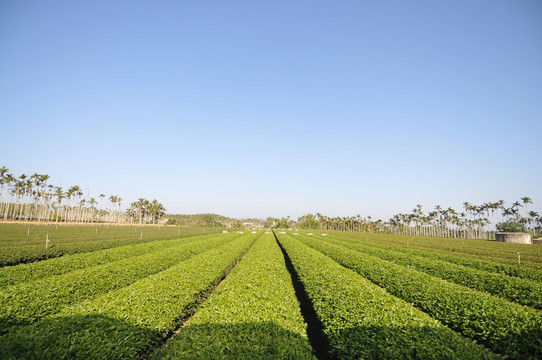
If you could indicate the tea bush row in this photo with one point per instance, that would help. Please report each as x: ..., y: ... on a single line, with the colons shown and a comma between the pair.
x: 130, y: 322
x: 361, y: 320
x: 505, y: 327
x: 25, y: 303
x: 518, y: 290
x: 11, y: 275
x: 254, y: 314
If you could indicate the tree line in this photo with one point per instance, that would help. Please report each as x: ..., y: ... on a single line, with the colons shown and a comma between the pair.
x: 32, y: 198
x: 474, y: 221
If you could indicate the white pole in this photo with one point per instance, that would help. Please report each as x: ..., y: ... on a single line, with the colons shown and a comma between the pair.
x: 46, y: 239
x: 519, y: 259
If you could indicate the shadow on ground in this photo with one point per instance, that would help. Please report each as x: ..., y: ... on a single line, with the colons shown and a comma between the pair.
x: 99, y: 337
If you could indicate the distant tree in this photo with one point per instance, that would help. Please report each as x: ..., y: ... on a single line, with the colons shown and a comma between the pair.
x: 511, y: 226
x: 307, y: 222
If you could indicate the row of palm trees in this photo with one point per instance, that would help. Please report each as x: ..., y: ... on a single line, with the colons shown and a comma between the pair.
x: 145, y: 211
x: 31, y: 198
x: 475, y: 221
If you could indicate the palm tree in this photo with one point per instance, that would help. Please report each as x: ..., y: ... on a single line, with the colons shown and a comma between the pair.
x: 526, y: 200
x: 119, y: 200
x: 101, y: 196
x: 9, y: 179
x: 532, y: 218
x: 92, y: 202
x: 113, y: 199
x: 59, y: 196
x: 3, y: 181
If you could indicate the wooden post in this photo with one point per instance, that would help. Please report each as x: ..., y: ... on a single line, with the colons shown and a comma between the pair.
x: 519, y: 259
x: 46, y: 239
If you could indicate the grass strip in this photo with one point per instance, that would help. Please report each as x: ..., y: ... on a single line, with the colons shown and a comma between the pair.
x: 362, y: 320
x: 127, y: 323
x: 254, y: 314
x: 507, y: 328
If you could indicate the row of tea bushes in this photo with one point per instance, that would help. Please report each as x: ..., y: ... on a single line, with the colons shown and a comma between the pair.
x: 361, y: 320
x: 505, y: 327
x: 494, y: 251
x: 26, y: 243
x: 12, y: 275
x: 254, y: 314
x: 518, y: 290
x: 27, y: 302
x: 515, y: 270
x: 129, y: 322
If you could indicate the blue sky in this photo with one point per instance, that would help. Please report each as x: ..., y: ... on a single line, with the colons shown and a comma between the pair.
x: 256, y: 109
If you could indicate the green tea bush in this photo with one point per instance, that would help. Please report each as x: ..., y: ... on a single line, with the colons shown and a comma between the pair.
x: 362, y: 320
x: 505, y: 327
x: 254, y: 314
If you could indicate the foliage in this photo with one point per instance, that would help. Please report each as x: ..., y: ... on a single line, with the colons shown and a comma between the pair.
x: 307, y: 222
x: 254, y: 314
x: 27, y: 302
x: 351, y: 310
x: 30, y: 198
x: 472, y: 222
x: 212, y: 220
x: 129, y: 322
x: 12, y: 275
x: 486, y: 255
x: 144, y: 211
x: 511, y: 226
x: 521, y: 291
x: 26, y: 243
x: 506, y: 328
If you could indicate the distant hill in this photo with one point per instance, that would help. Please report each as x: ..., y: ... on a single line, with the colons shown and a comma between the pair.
x: 212, y: 220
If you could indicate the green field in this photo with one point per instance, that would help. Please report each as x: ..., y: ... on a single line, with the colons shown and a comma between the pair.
x: 106, y: 293
x: 26, y: 243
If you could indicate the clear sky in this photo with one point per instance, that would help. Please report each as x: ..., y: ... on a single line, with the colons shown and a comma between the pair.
x: 276, y: 108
